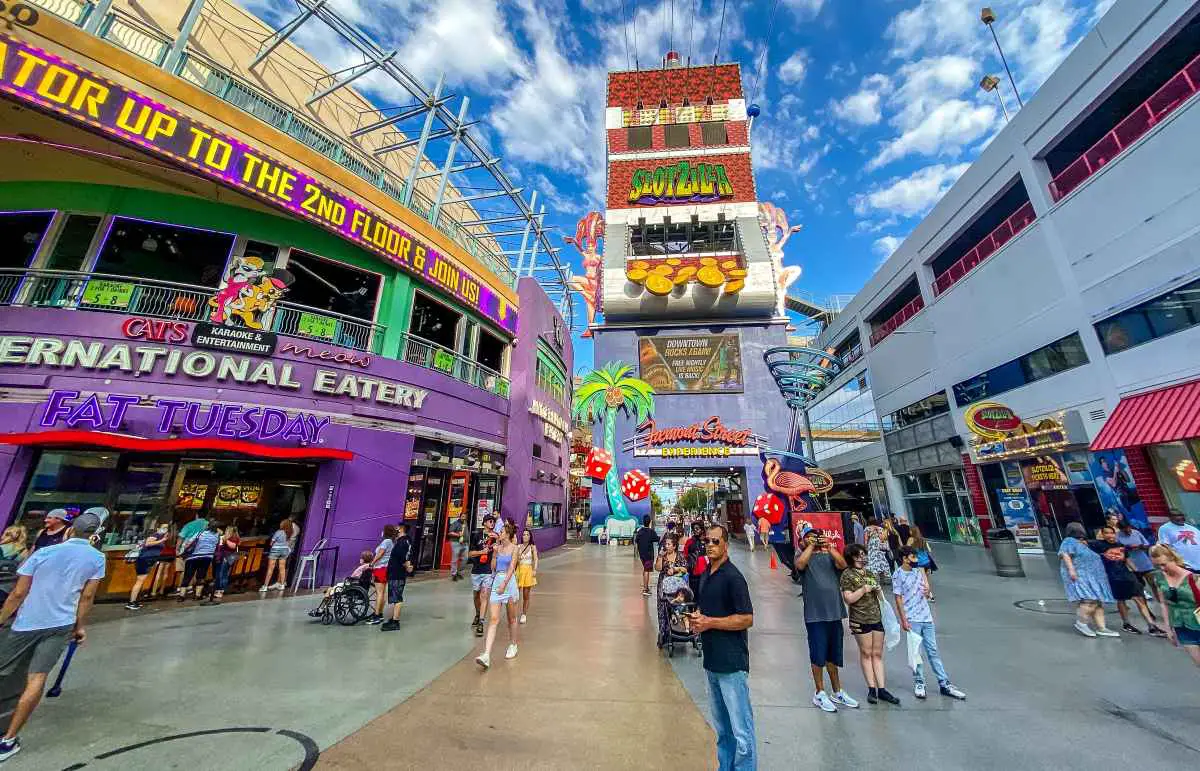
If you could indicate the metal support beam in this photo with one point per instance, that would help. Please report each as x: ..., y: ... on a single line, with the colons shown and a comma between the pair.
x: 506, y: 252
x: 356, y: 72
x: 394, y: 119
x: 447, y: 167
x: 533, y: 249
x: 431, y: 105
x: 420, y: 141
x: 525, y: 237
x: 495, y: 220
x: 96, y: 16
x: 482, y: 196
x: 186, y: 25
x: 283, y: 33
x: 461, y: 166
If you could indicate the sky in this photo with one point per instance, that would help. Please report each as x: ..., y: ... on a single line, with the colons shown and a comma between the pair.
x: 871, y: 109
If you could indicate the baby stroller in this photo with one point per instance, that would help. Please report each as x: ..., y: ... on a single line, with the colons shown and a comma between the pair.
x: 348, y: 602
x: 675, y: 602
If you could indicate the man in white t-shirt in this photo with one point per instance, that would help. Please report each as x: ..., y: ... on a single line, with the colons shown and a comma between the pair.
x: 1183, y: 538
x: 54, y: 592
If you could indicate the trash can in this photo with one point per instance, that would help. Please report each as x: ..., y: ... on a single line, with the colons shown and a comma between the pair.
x: 1004, y: 553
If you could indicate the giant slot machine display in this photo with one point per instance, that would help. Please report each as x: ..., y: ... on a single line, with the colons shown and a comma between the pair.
x: 684, y: 284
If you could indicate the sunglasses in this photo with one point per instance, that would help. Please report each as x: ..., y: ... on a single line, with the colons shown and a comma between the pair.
x: 713, y: 541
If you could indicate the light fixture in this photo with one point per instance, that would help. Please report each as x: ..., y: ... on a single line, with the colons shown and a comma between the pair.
x: 149, y: 245
x: 992, y: 83
x: 988, y: 17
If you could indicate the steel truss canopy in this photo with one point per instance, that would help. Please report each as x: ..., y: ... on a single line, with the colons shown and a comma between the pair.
x: 467, y: 172
x: 801, y: 372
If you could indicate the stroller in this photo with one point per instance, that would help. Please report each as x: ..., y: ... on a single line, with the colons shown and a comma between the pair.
x: 348, y: 602
x: 675, y: 602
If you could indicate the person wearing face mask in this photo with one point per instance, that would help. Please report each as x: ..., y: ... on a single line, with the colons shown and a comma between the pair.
x: 912, y: 607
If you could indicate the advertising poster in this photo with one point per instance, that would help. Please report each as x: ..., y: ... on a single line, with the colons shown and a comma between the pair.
x: 829, y: 523
x: 1116, y: 487
x: 1045, y: 472
x: 1077, y: 468
x: 1019, y: 518
x: 965, y: 530
x: 691, y: 363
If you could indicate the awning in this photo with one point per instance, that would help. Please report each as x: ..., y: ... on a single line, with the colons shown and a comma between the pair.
x: 1165, y: 415
x: 138, y: 444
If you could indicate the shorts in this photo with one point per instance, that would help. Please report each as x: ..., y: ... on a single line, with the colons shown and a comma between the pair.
x: 824, y: 642
x: 143, y: 565
x: 856, y: 628
x: 1183, y: 634
x: 395, y: 589
x: 481, y: 581
x: 380, y: 575
x: 195, y: 569
x: 279, y: 553
x: 1125, y: 590
x: 647, y: 564
x: 508, y: 595
x: 41, y: 646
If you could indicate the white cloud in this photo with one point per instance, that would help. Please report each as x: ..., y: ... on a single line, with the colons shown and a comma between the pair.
x: 885, y: 245
x: 793, y: 70
x: 784, y: 149
x: 909, y: 196
x: 1099, y: 10
x: 945, y: 131
x: 937, y: 24
x: 805, y: 9
x: 1040, y: 38
x: 863, y: 106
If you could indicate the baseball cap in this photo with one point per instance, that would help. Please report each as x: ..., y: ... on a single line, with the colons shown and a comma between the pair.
x: 806, y: 530
x: 86, y: 524
x: 100, y: 512
x: 487, y: 517
x: 62, y: 514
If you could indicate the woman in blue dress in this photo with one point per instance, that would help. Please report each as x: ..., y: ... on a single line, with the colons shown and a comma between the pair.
x: 1086, y: 582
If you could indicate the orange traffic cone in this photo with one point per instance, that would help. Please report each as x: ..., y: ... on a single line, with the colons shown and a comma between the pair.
x: 774, y: 564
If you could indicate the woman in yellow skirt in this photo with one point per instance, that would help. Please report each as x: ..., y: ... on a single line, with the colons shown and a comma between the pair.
x: 527, y: 563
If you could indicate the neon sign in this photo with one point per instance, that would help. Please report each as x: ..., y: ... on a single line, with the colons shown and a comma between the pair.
x: 227, y: 421
x: 711, y: 430
x: 681, y: 182
x: 51, y: 83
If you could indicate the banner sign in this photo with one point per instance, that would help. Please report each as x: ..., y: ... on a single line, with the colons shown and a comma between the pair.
x: 827, y: 523
x: 991, y: 420
x: 46, y: 81
x: 234, y: 339
x: 681, y: 182
x: 1019, y: 518
x: 691, y: 363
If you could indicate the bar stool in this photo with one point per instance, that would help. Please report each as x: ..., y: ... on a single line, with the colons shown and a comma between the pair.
x: 309, y: 561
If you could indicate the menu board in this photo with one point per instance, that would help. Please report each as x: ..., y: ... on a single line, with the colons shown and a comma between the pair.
x: 191, y: 496
x: 240, y: 496
x: 691, y: 363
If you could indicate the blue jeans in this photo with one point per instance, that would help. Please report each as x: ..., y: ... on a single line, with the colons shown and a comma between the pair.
x: 733, y: 720
x: 221, y: 575
x: 929, y: 643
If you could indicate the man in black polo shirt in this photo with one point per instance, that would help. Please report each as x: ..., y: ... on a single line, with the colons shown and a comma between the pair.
x: 724, y: 615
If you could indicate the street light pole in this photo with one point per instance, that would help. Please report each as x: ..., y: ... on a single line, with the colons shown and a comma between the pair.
x: 991, y: 83
x: 988, y: 17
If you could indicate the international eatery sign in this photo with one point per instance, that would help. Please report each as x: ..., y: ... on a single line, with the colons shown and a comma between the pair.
x: 709, y: 439
x: 41, y: 79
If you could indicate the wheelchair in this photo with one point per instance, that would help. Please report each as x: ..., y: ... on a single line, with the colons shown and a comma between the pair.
x: 347, y: 603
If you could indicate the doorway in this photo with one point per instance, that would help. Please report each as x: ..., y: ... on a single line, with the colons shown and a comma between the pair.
x: 424, y: 527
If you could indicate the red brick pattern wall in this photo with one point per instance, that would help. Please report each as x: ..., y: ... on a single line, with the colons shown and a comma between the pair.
x: 979, y: 505
x: 737, y: 169
x: 1146, y: 481
x: 736, y: 134
x: 722, y: 82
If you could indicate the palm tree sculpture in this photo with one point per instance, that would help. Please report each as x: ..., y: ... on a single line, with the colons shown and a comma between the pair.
x: 604, y: 392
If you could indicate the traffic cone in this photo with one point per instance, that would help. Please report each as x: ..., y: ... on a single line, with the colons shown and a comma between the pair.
x: 774, y: 564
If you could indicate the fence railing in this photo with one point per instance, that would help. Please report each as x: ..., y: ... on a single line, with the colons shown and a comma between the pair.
x: 423, y: 353
x: 912, y: 308
x: 991, y: 243
x: 168, y: 300
x: 151, y: 44
x: 1166, y: 100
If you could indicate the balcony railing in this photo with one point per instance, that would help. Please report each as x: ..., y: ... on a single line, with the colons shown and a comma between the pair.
x: 129, y: 33
x: 990, y: 244
x: 423, y: 353
x: 1166, y: 100
x: 914, y: 306
x: 167, y: 300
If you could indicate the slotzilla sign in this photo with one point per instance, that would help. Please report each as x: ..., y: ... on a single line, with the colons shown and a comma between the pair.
x: 228, y: 421
x: 39, y: 78
x: 681, y: 182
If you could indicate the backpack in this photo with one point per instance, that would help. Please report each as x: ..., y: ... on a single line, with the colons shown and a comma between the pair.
x: 697, y: 561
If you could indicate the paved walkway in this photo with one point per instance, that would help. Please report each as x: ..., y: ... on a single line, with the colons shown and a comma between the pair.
x: 256, y: 685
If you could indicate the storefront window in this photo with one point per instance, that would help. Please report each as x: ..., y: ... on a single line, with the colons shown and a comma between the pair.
x: 66, y: 480
x: 332, y: 286
x: 435, y: 322
x: 20, y: 235
x: 1177, y: 475
x: 539, y: 515
x: 173, y: 253
x: 71, y: 246
x: 490, y: 351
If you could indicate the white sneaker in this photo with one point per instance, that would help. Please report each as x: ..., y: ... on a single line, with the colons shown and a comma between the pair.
x: 1105, y: 632
x: 845, y: 699
x: 822, y: 701
x: 511, y: 651
x: 263, y: 589
x: 522, y: 619
x: 483, y: 660
x: 1084, y: 629
x: 919, y: 690
x: 277, y: 587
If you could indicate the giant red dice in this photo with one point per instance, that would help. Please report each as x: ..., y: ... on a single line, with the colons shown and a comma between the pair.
x: 636, y: 485
x: 598, y: 463
x: 769, y: 506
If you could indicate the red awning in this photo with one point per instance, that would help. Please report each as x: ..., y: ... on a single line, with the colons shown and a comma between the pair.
x: 138, y: 444
x: 1165, y: 415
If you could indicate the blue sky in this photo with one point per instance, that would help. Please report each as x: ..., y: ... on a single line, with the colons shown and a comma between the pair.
x: 870, y: 108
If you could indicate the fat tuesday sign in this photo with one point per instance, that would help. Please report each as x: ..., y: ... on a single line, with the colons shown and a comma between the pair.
x: 680, y: 183
x: 39, y: 78
x: 157, y: 360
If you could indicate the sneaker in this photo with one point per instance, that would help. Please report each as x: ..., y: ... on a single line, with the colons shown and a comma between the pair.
x: 511, y: 651
x: 479, y: 630
x: 949, y: 690
x: 888, y: 696
x: 872, y: 696
x: 264, y: 589
x: 375, y: 620
x: 522, y: 619
x: 9, y: 747
x: 389, y: 626
x: 919, y: 690
x: 1084, y: 629
x: 1131, y: 628
x: 476, y: 622
x: 133, y: 606
x: 483, y: 660
x: 1154, y: 631
x: 645, y: 592
x: 1105, y: 632
x: 822, y: 701
x: 843, y: 698
x: 278, y: 587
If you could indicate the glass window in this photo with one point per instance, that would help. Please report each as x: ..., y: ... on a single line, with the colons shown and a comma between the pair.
x: 71, y: 246
x: 714, y: 133
x: 639, y: 137
x: 929, y: 407
x: 434, y: 322
x: 550, y: 375
x: 20, y: 235
x: 173, y: 253
x: 844, y: 420
x: 676, y: 135
x: 66, y: 480
x: 1124, y: 331
x: 1178, y: 477
x: 332, y: 286
x: 1176, y: 310
x: 1059, y: 356
x: 490, y: 351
